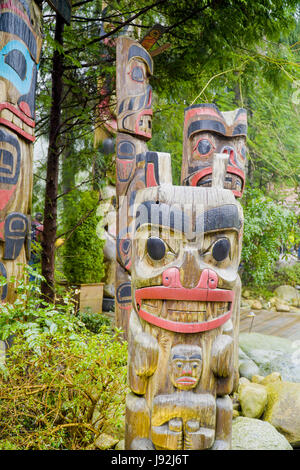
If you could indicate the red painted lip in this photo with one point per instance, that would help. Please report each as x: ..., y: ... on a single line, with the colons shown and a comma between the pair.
x: 174, y: 293
x: 24, y: 118
x: 186, y: 380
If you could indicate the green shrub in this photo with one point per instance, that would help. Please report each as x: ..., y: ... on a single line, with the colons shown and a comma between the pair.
x: 287, y: 275
x: 94, y: 321
x: 61, y: 385
x: 83, y: 249
x: 268, y: 226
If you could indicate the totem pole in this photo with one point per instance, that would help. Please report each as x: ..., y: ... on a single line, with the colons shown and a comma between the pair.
x: 179, y: 250
x: 20, y: 39
x: 136, y: 167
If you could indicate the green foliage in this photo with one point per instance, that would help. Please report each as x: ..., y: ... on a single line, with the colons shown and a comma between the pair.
x: 93, y: 321
x: 268, y: 227
x: 286, y: 275
x: 61, y: 385
x: 83, y: 249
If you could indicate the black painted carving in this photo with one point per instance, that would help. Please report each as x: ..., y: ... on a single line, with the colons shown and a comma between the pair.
x: 156, y: 248
x: 123, y: 293
x: 15, y: 231
x: 3, y: 289
x: 9, y: 162
x: 221, y: 249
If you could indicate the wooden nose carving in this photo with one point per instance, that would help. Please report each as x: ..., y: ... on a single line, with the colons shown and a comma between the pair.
x: 208, y: 279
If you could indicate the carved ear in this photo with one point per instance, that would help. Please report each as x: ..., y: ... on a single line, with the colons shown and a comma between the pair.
x: 220, y: 162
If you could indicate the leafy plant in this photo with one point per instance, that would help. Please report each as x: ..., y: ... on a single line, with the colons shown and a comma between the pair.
x: 267, y: 228
x: 83, y: 250
x: 61, y: 385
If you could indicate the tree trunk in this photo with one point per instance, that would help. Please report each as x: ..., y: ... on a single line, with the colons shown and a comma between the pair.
x: 50, y: 208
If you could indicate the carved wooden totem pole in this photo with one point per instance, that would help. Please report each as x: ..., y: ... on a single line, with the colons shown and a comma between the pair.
x: 20, y: 42
x: 136, y: 167
x: 179, y: 250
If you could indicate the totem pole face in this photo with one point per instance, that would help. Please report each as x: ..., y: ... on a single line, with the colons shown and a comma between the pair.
x: 18, y: 66
x: 208, y: 131
x: 20, y: 44
x: 185, y: 366
x: 20, y: 39
x: 185, y: 257
x: 134, y: 113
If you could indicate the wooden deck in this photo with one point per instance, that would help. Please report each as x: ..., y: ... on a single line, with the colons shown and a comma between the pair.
x: 269, y: 322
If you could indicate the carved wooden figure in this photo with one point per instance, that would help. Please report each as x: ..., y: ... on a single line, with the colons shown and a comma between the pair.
x: 20, y: 43
x: 178, y: 250
x: 136, y: 167
x: 208, y: 131
x: 185, y: 318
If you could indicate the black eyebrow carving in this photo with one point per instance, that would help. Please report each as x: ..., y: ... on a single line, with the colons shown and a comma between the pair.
x: 136, y: 51
x: 165, y: 215
x: 206, y: 125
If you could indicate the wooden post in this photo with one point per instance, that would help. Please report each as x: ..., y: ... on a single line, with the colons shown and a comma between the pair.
x: 179, y: 248
x: 20, y: 42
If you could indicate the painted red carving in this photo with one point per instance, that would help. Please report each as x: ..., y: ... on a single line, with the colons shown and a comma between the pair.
x: 5, y: 195
x: 172, y: 289
x: 150, y: 176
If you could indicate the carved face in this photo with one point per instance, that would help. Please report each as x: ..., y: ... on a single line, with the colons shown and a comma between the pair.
x: 18, y: 66
x: 134, y: 113
x: 185, y: 257
x: 185, y: 366
x: 208, y: 131
x: 19, y: 57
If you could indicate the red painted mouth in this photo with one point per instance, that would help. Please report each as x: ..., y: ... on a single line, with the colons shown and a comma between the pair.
x: 18, y: 121
x: 186, y: 381
x: 218, y: 301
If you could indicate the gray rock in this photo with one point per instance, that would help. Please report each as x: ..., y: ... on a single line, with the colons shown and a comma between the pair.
x: 105, y: 442
x: 248, y: 368
x: 254, y: 434
x: 288, y: 294
x: 271, y: 354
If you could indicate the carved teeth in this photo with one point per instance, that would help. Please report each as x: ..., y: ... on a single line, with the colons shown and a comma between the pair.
x: 11, y: 117
x: 185, y: 312
x: 6, y: 114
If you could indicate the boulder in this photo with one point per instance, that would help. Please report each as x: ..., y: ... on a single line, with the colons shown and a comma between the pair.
x: 256, y: 305
x: 271, y: 354
x: 105, y: 442
x: 247, y: 367
x: 288, y: 294
x: 283, y: 409
x: 253, y: 399
x: 254, y: 434
x: 280, y: 307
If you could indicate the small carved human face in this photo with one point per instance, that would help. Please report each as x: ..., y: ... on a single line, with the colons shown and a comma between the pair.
x: 185, y: 366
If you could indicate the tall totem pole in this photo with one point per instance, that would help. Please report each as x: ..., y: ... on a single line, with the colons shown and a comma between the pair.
x: 20, y: 42
x: 177, y: 284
